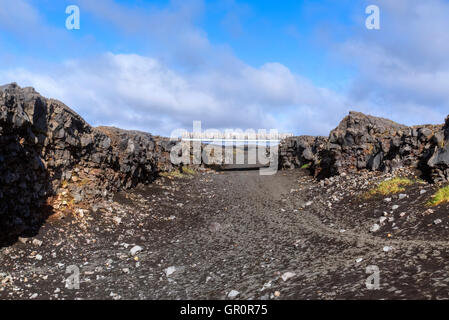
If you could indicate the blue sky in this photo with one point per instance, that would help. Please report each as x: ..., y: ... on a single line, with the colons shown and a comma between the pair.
x: 296, y: 66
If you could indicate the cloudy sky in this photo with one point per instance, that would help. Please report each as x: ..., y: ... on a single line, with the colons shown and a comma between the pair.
x: 296, y: 66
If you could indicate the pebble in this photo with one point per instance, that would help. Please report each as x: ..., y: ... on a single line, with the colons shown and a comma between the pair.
x: 23, y: 240
x: 288, y: 275
x: 37, y: 242
x: 233, y: 294
x: 387, y: 248
x: 437, y: 221
x: 135, y: 249
x: 395, y: 207
x: 38, y: 257
x: 170, y: 270
x: 402, y: 196
x: 375, y: 228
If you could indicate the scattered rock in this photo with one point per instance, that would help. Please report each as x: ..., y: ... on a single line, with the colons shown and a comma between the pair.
x: 37, y: 242
x: 233, y: 294
x: 288, y: 275
x: 135, y: 250
x: 170, y: 270
x: 375, y: 228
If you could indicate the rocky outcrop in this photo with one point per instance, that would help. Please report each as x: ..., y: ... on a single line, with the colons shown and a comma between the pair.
x: 439, y: 162
x: 297, y: 152
x: 50, y: 157
x: 365, y: 142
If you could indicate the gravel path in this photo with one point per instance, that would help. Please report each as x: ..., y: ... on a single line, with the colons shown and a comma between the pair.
x: 231, y: 234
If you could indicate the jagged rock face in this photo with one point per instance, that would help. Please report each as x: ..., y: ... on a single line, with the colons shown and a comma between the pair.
x: 24, y: 180
x: 296, y: 152
x: 49, y: 154
x: 439, y: 162
x: 366, y: 142
x: 361, y: 141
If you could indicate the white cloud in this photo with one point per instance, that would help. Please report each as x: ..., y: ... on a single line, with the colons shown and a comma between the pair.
x: 133, y: 91
x: 403, y: 72
x: 403, y: 68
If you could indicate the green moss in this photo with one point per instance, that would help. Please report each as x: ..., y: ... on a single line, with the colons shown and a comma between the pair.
x: 305, y: 166
x: 441, y: 196
x: 188, y: 171
x: 391, y: 186
x: 172, y: 174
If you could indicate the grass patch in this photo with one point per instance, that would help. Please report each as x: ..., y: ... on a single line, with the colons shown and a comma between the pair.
x: 188, y: 171
x: 391, y: 186
x: 172, y: 174
x: 305, y: 166
x: 441, y: 196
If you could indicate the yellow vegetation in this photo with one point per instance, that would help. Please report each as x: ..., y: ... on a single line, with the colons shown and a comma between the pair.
x: 188, y: 171
x: 391, y: 186
x: 441, y: 196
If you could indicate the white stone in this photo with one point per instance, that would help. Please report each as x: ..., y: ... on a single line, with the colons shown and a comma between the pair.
x: 375, y: 228
x: 170, y: 270
x: 117, y: 220
x: 233, y: 294
x: 288, y: 275
x: 135, y: 249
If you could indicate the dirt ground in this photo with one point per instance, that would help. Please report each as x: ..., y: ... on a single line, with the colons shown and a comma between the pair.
x: 238, y: 235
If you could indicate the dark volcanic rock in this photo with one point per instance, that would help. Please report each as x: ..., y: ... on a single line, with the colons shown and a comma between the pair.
x: 299, y: 151
x: 362, y: 142
x: 50, y: 155
x: 366, y: 142
x: 439, y: 162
